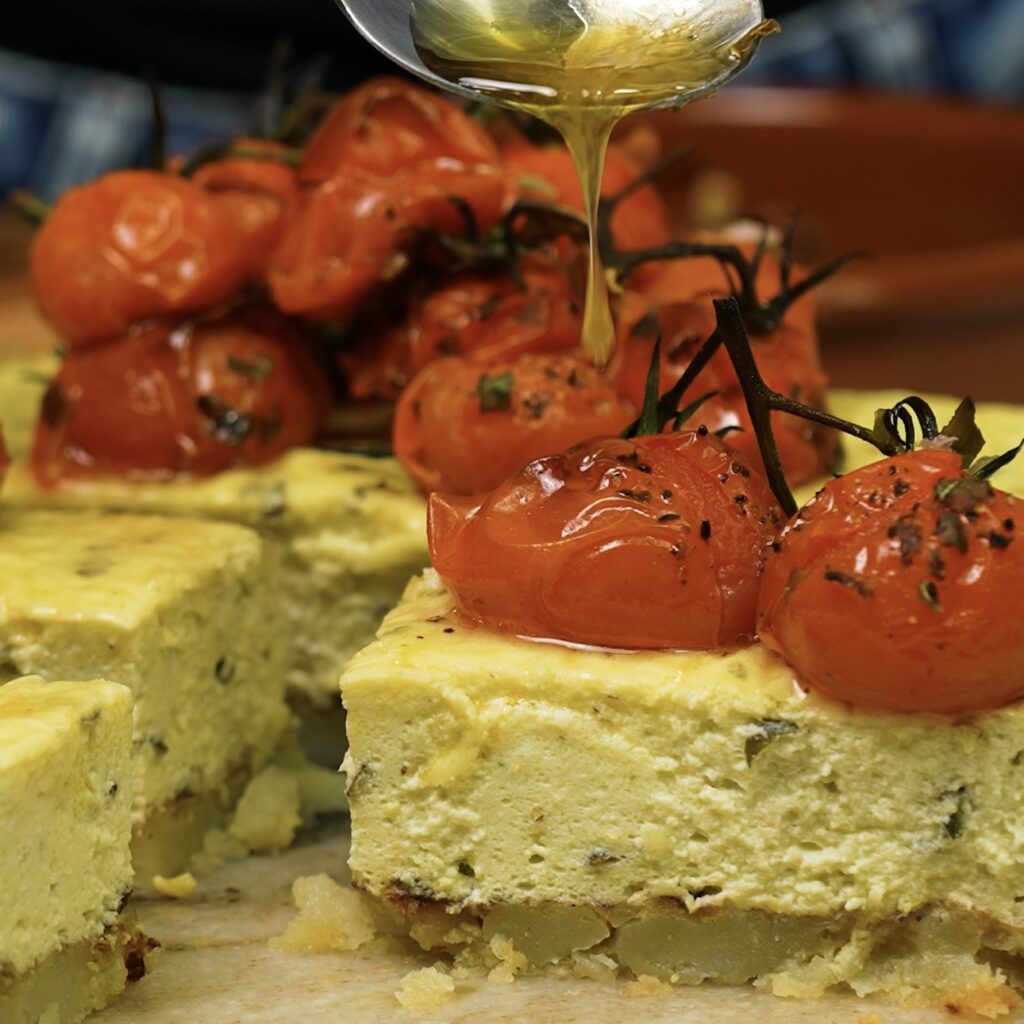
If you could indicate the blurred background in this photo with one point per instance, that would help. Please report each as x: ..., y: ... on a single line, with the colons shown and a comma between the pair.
x: 895, y: 125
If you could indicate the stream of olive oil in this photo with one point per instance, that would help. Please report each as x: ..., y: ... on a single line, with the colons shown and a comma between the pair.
x: 579, y: 72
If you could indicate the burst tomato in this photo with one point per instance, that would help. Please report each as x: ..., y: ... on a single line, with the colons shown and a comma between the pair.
x: 339, y: 246
x: 548, y: 174
x: 463, y: 426
x: 437, y: 163
x: 657, y: 542
x: 494, y: 317
x: 200, y: 398
x: 898, y: 587
x: 388, y: 125
x: 130, y: 246
x: 705, y: 278
x: 806, y: 449
x: 258, y: 191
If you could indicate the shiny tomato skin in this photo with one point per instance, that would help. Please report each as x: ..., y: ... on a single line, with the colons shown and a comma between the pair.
x: 547, y: 174
x: 258, y: 364
x: 491, y: 316
x: 498, y: 317
x: 130, y: 246
x: 167, y: 401
x: 338, y: 247
x: 898, y: 587
x: 388, y: 125
x: 704, y: 277
x: 447, y: 437
x: 652, y: 543
x: 259, y: 194
x: 787, y: 361
x: 418, y: 146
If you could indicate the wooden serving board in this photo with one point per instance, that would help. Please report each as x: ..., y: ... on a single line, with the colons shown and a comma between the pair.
x: 216, y: 968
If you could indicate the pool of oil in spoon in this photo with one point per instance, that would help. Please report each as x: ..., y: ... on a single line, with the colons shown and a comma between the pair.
x: 579, y: 78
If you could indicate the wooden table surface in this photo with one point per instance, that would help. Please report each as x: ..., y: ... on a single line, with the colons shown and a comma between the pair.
x: 216, y: 968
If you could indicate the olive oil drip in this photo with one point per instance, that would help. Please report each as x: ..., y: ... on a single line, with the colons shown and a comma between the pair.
x: 557, y: 61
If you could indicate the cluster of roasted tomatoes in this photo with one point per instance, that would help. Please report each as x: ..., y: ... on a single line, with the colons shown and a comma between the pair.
x: 214, y: 310
x: 893, y: 588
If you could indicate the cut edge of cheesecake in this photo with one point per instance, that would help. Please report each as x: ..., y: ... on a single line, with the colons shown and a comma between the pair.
x: 350, y: 530
x: 621, y: 855
x: 79, y: 978
x: 67, y: 945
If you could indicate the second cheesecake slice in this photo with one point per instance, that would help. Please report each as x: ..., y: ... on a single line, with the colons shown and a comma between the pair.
x: 184, y: 613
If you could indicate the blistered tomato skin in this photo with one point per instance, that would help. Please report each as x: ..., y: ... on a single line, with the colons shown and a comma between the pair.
x: 339, y: 245
x: 388, y: 126
x: 390, y: 162
x: 130, y: 246
x: 653, y: 543
x: 196, y: 399
x: 464, y: 426
x: 899, y: 587
x: 493, y: 317
x: 259, y: 192
x: 786, y: 358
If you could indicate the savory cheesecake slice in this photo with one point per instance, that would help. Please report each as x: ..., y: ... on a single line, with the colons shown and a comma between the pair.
x: 181, y: 611
x: 688, y: 816
x: 350, y: 530
x: 65, y: 803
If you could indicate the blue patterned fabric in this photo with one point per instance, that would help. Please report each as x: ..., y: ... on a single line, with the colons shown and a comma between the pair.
x: 60, y: 125
x: 965, y: 47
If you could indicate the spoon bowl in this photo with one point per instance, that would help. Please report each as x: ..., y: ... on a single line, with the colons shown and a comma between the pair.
x: 715, y: 26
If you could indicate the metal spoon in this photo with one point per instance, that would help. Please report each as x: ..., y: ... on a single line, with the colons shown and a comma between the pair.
x: 715, y: 24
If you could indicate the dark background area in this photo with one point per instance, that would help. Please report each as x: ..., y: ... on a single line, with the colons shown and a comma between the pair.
x: 217, y: 44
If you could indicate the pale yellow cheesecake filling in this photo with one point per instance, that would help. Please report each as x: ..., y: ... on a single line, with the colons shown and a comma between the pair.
x: 349, y: 531
x: 65, y: 803
x: 184, y: 612
x: 485, y: 769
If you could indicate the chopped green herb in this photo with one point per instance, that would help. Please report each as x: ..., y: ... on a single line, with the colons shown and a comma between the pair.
x: 950, y: 530
x: 495, y: 392
x: 255, y: 369
x: 929, y: 593
x: 768, y: 729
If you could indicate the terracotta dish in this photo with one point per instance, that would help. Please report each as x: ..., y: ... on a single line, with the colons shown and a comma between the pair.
x: 930, y: 188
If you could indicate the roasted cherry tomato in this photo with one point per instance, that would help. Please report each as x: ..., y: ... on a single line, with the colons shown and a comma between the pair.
x: 439, y: 165
x: 548, y: 174
x: 390, y: 161
x: 898, y: 587
x: 130, y: 246
x: 340, y: 245
x: 205, y: 396
x: 491, y: 316
x: 387, y: 126
x: 703, y: 277
x: 807, y: 450
x: 259, y: 191
x: 463, y: 426
x: 657, y: 542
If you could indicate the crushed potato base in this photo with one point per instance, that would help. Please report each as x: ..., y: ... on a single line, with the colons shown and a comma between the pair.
x: 78, y: 979
x: 937, y: 956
